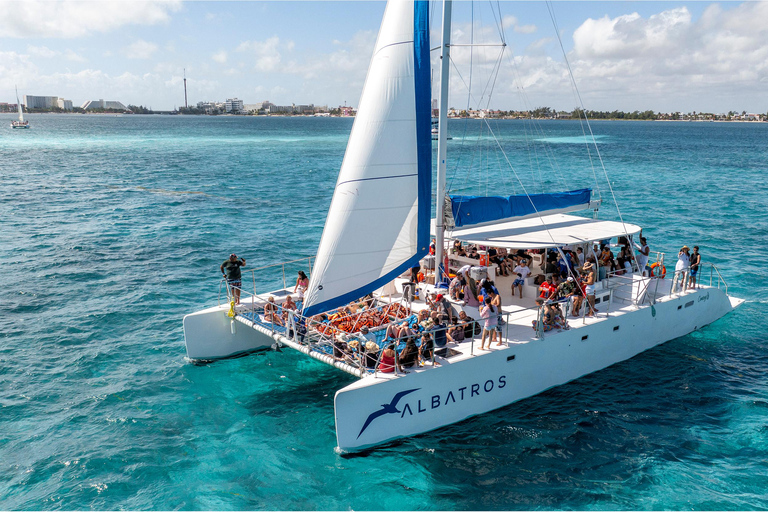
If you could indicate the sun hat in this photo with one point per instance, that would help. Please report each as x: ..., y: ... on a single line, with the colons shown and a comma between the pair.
x: 371, y: 347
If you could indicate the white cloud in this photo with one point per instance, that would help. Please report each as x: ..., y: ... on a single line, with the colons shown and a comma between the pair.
x: 42, y: 51
x: 669, y: 57
x: 74, y: 57
x: 74, y: 18
x: 266, y: 53
x: 140, y: 49
x: 220, y: 57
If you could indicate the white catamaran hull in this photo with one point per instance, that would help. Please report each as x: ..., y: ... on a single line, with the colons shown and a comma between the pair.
x: 375, y: 410
x: 211, y: 334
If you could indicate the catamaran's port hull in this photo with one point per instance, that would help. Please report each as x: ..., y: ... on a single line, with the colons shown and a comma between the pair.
x: 458, y: 390
x: 211, y: 334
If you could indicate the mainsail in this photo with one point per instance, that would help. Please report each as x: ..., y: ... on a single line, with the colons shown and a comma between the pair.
x: 18, y: 104
x: 378, y: 222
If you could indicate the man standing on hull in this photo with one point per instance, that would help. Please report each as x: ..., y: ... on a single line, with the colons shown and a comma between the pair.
x: 231, y: 271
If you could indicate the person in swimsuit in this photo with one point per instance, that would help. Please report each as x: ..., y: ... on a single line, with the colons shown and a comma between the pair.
x: 271, y: 312
x: 230, y: 269
x: 589, y: 290
x: 302, y: 283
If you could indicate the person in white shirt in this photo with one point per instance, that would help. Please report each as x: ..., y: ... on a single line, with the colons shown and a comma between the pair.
x: 682, y: 267
x: 642, y: 256
x: 522, y: 272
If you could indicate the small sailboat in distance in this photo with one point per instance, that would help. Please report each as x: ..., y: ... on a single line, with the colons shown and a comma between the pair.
x: 21, y: 123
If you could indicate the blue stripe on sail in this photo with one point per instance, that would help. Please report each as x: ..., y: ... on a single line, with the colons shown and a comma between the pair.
x: 424, y: 159
x: 348, y: 297
x: 469, y: 210
x: 423, y: 89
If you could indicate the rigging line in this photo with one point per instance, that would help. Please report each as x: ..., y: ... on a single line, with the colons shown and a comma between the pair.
x: 533, y: 205
x: 498, y: 21
x: 538, y: 130
x: 589, y: 126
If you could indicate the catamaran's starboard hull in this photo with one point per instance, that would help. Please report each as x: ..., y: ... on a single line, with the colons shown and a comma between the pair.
x: 211, y: 334
x: 20, y: 127
x: 424, y: 401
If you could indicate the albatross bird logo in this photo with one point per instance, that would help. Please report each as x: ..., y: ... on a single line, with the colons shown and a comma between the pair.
x: 390, y: 408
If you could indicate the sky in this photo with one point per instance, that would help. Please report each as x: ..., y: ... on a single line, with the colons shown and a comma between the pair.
x: 660, y: 56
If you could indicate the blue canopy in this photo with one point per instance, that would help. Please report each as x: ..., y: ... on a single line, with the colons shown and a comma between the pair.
x: 469, y: 210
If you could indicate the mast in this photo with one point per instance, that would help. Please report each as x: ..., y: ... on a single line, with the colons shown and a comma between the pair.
x: 442, y: 137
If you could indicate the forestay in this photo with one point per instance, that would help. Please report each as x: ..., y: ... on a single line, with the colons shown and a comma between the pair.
x: 378, y: 221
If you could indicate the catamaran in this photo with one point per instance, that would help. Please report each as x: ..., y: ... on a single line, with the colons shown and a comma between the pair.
x: 378, y: 229
x: 21, y: 123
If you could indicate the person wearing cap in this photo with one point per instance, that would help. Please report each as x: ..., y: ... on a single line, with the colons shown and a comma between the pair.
x: 366, y: 335
x: 444, y: 307
x: 682, y: 267
x: 230, y: 269
x: 522, y: 271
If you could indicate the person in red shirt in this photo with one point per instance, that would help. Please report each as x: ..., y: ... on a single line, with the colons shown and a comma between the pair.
x: 548, y: 288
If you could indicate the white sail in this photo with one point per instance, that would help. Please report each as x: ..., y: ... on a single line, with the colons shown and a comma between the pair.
x: 378, y: 222
x: 18, y: 104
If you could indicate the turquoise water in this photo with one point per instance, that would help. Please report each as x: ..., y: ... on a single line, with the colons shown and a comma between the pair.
x: 113, y: 228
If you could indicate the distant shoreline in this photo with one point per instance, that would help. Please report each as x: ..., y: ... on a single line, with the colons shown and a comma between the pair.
x: 171, y: 113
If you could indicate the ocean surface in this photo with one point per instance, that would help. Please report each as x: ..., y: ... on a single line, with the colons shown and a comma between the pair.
x: 113, y: 228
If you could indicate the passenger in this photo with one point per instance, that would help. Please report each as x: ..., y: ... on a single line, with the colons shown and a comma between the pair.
x: 230, y: 269
x: 473, y: 253
x: 271, y: 313
x: 578, y: 297
x: 606, y: 262
x: 393, y: 331
x: 387, y: 363
x: 366, y: 335
x: 695, y: 265
x: 409, y: 355
x: 439, y: 330
x: 682, y: 266
x: 544, y: 317
x: 493, y: 257
x: 643, y: 253
x: 371, y: 354
x: 456, y: 288
x: 288, y: 307
x: 405, y: 332
x: 456, y: 332
x: 444, y: 307
x: 470, y: 325
x: 457, y: 248
x: 489, y: 313
x: 496, y: 303
x: 470, y: 292
x: 580, y: 257
x: 522, y: 272
x: 340, y: 348
x: 302, y: 283
x: 590, y: 288
x: 548, y: 288
x: 427, y: 348
x: 558, y: 320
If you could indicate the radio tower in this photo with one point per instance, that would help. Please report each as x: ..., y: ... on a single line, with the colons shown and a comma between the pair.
x: 185, y: 89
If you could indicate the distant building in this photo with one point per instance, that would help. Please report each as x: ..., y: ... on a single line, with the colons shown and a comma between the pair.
x: 65, y: 104
x: 94, y: 104
x: 41, y: 101
x: 234, y: 105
